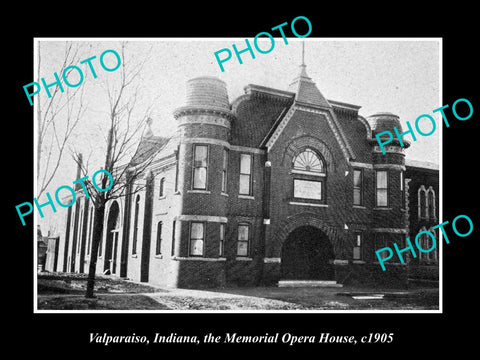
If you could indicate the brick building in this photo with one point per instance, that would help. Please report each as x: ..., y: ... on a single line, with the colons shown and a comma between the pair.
x: 273, y: 186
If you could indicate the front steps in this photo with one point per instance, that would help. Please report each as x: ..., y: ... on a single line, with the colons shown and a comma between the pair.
x: 309, y: 283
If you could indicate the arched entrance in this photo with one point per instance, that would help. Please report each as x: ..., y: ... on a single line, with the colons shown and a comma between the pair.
x: 111, y: 244
x: 306, y: 255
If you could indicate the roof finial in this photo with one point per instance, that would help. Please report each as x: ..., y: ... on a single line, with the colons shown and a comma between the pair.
x: 148, y: 131
x: 303, y: 53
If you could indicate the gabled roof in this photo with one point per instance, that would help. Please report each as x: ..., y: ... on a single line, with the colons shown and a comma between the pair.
x: 149, y: 146
x: 306, y: 92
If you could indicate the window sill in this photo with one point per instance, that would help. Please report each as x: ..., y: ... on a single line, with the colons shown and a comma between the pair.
x: 162, y: 197
x: 134, y: 256
x: 198, y: 191
x: 382, y: 208
x: 224, y: 194
x: 358, y: 262
x: 307, y: 173
x: 359, y: 207
x: 243, y: 258
x: 159, y: 256
x: 391, y: 264
x: 246, y: 197
x: 307, y: 204
x: 198, y: 258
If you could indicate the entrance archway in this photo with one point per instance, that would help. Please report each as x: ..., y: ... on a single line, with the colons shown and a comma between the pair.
x: 111, y: 244
x: 306, y: 255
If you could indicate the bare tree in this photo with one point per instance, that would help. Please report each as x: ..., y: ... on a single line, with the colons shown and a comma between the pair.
x: 57, y: 117
x: 122, y: 137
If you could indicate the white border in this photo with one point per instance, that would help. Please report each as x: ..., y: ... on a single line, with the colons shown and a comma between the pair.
x: 35, y: 222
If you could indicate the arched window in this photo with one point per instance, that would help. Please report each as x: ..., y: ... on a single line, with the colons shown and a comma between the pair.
x: 135, y: 225
x: 308, y: 161
x: 161, y: 192
x: 431, y: 203
x: 309, y: 176
x: 424, y: 244
x: 158, y: 247
x: 433, y: 255
x: 422, y: 203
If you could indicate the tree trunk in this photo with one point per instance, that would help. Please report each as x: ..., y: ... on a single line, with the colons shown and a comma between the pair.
x: 97, y: 238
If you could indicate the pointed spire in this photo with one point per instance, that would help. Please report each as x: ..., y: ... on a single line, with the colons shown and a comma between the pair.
x: 305, y: 89
x: 303, y: 71
x: 303, y: 52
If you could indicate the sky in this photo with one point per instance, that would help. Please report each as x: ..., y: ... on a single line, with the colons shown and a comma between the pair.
x: 401, y: 76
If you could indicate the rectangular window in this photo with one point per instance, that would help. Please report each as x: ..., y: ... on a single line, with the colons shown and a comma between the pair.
x: 221, y: 245
x: 381, y: 188
x: 243, y: 240
x: 245, y: 187
x: 197, y: 234
x: 158, y: 247
x: 402, y: 188
x: 357, y: 249
x: 172, y: 251
x: 200, y: 166
x: 357, y: 187
x: 224, y: 170
x: 307, y: 189
x: 177, y: 167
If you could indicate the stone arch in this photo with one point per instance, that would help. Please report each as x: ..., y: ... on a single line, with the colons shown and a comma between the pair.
x: 120, y: 209
x: 307, y: 254
x: 298, y: 144
x: 112, y: 232
x: 308, y: 219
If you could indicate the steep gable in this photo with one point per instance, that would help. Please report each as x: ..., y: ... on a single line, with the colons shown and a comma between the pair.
x: 256, y: 112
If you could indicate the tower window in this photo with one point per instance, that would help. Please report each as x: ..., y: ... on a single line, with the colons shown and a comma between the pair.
x: 197, y: 237
x: 381, y: 188
x: 224, y: 170
x: 243, y: 240
x: 221, y: 245
x: 200, y: 167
